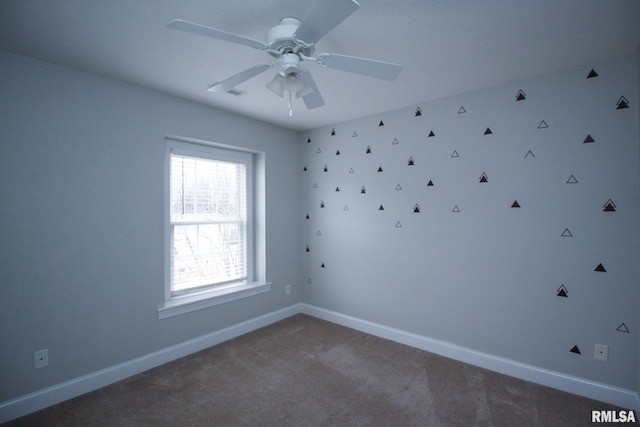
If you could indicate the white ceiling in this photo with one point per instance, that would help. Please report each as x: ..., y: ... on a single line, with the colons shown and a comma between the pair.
x: 446, y: 47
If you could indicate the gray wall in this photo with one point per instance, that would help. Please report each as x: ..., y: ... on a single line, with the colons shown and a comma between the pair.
x: 81, y: 230
x: 487, y: 277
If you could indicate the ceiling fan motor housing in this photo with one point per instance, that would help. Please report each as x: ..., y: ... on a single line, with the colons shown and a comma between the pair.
x: 281, y: 41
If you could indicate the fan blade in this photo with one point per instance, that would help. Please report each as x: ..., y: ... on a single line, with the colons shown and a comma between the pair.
x: 313, y: 99
x: 366, y: 67
x: 190, y: 27
x: 241, y: 77
x: 324, y: 17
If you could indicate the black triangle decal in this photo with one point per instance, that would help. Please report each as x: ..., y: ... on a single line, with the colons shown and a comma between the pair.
x: 308, y: 140
x: 622, y: 103
x: 309, y: 281
x: 338, y: 153
x: 430, y: 183
x: 337, y: 188
x: 416, y: 209
x: 305, y: 169
x: 572, y: 180
x: 410, y: 162
x: 515, y: 204
x: 563, y: 292
x: 333, y: 132
x: 381, y: 208
x: 575, y: 349
x: 521, y: 96
x: 529, y: 153
x: 368, y: 149
x: 322, y: 265
x: 380, y: 169
x: 461, y: 110
x: 346, y: 208
x: 308, y: 249
x: 455, y: 209
x: 592, y: 74
x: 363, y: 190
x: 455, y: 154
x: 622, y: 328
x: 543, y: 125
x: 431, y: 134
x: 322, y: 204
x: 588, y: 139
x: 318, y: 150
x: 484, y: 178
x: 398, y: 187
x: 308, y: 217
x: 609, y: 206
x: 566, y: 233
x: 315, y: 185
x: 418, y: 112
x: 352, y: 171
x: 325, y: 169
x: 398, y: 225
x: 600, y: 268
x: 395, y: 141
x: 488, y: 131
x: 354, y: 134
x: 381, y: 123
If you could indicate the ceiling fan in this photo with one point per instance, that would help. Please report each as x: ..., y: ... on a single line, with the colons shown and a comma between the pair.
x: 291, y: 42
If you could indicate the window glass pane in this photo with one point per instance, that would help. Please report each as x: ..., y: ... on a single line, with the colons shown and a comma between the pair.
x: 206, y: 254
x: 207, y: 190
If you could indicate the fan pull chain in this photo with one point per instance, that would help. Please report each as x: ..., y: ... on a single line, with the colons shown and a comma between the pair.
x: 290, y: 106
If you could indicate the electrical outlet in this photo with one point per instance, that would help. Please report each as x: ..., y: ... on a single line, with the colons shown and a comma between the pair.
x: 41, y: 358
x: 287, y: 290
x: 602, y: 352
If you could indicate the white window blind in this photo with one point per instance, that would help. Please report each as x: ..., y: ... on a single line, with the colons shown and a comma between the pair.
x: 208, y: 222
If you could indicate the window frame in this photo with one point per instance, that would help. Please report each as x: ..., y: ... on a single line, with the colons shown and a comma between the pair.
x: 184, y: 302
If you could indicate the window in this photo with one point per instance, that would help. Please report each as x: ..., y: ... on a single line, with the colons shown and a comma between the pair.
x: 209, y: 225
x: 208, y: 222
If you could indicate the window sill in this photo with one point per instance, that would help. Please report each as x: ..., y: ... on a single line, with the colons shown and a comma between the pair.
x: 189, y: 303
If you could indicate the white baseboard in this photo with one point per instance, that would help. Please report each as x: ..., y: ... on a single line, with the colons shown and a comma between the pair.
x: 41, y: 399
x: 624, y: 398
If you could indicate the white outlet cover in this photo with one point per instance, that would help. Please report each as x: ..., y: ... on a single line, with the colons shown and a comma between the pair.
x: 601, y: 352
x: 41, y: 359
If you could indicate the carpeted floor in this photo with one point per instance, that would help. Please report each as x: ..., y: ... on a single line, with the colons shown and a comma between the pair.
x: 307, y: 372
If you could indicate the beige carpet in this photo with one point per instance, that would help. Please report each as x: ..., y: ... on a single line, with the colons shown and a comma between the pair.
x: 307, y: 372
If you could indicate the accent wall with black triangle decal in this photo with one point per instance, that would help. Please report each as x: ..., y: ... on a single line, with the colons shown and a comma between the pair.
x: 527, y: 184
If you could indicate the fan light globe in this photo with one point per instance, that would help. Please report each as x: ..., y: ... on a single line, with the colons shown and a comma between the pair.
x: 293, y: 81
x: 276, y: 85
